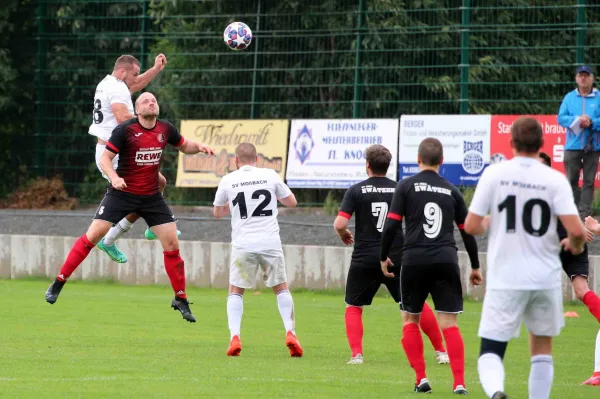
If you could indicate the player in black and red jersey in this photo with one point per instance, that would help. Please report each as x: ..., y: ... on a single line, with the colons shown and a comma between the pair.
x: 370, y: 200
x: 134, y: 188
x: 430, y: 206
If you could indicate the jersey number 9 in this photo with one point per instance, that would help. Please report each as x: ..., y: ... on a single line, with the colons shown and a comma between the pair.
x: 433, y: 220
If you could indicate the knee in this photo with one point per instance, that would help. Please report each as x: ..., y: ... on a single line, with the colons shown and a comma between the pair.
x: 408, y: 318
x: 162, y: 182
x: 171, y: 244
x: 495, y: 347
x: 447, y: 321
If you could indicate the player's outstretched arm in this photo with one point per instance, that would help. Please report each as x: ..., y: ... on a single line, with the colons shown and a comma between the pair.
x: 289, y: 201
x: 106, y: 163
x: 144, y: 79
x: 191, y: 147
x: 576, y: 231
x: 220, y: 211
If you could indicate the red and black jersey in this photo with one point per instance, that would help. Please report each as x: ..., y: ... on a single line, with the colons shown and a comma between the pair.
x: 140, y: 153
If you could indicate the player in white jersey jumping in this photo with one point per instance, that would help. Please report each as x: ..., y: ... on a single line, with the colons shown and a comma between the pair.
x: 250, y: 194
x: 112, y: 106
x: 524, y: 199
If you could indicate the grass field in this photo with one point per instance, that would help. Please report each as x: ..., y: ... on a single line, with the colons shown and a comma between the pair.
x: 106, y: 340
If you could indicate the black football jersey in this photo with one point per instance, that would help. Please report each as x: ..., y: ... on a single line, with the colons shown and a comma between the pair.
x: 370, y: 200
x: 429, y: 206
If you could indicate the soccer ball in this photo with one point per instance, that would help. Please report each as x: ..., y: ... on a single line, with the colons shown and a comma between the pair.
x: 237, y: 36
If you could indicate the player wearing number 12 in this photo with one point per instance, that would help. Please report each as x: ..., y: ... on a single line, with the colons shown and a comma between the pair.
x: 370, y: 201
x: 250, y: 194
x: 429, y: 206
x: 524, y: 200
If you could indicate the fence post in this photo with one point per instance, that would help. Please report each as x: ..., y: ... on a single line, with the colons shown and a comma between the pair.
x: 144, y: 44
x: 464, y: 56
x: 358, y: 86
x: 40, y: 159
x: 581, y: 31
x: 254, y: 107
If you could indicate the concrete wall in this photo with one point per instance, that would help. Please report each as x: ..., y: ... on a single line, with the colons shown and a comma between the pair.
x: 207, y: 264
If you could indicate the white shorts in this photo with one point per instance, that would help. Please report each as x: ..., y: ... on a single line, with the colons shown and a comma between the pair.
x: 244, y: 266
x: 505, y: 310
x: 99, y: 150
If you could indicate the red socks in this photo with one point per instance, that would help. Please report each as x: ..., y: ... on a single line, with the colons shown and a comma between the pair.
x: 456, y: 353
x: 354, y: 329
x: 78, y: 253
x: 176, y: 272
x: 412, y: 342
x: 592, y: 301
x: 430, y: 327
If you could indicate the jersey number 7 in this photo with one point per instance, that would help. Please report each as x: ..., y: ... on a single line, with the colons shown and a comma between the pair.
x: 379, y: 210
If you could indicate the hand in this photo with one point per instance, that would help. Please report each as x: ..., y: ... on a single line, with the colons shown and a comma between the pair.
x: 591, y: 224
x: 118, y: 184
x: 385, y: 264
x: 565, y: 243
x: 346, y: 237
x: 589, y: 236
x: 476, y: 278
x: 160, y: 62
x: 585, y: 121
x: 206, y: 149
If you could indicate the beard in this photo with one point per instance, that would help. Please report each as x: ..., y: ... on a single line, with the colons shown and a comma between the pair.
x: 150, y: 114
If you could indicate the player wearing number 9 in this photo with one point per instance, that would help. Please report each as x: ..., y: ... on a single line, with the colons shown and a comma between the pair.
x: 250, y: 194
x: 369, y: 200
x: 430, y: 206
x: 524, y: 200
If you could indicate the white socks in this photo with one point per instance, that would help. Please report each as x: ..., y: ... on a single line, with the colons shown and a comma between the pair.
x: 597, y: 357
x: 117, y: 231
x: 235, y: 309
x: 286, y: 310
x: 541, y: 376
x: 491, y: 373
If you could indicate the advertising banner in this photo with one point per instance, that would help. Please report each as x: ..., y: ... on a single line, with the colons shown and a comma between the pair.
x: 330, y: 153
x: 554, y: 140
x: 466, y: 142
x: 199, y: 170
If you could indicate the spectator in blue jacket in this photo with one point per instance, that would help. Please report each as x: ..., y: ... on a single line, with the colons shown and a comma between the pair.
x: 580, y: 115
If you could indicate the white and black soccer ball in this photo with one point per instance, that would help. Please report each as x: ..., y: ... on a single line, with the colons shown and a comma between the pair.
x: 237, y: 36
x: 497, y: 158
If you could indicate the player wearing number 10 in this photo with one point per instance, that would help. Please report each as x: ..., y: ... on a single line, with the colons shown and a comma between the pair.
x: 250, y: 194
x: 429, y: 206
x: 524, y: 200
x: 370, y: 201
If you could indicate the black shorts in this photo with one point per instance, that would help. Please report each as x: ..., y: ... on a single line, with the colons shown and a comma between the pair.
x: 441, y: 280
x: 575, y: 265
x: 363, y: 282
x: 118, y: 204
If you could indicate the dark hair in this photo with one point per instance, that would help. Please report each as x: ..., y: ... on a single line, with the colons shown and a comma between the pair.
x: 431, y: 152
x: 126, y: 60
x: 545, y: 158
x: 379, y: 158
x: 246, y: 152
x: 527, y: 135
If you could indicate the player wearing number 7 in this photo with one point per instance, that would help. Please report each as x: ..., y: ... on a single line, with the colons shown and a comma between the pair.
x: 524, y: 200
x: 250, y: 194
x: 369, y: 200
x: 429, y: 206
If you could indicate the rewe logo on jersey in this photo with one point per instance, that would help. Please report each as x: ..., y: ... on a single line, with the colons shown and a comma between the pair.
x: 431, y: 189
x: 148, y: 156
x: 372, y: 189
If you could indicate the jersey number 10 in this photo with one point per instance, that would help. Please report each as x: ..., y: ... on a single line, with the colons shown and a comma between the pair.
x: 510, y: 204
x: 240, y: 201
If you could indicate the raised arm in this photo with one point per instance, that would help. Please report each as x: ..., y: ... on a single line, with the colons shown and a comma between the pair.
x: 144, y: 79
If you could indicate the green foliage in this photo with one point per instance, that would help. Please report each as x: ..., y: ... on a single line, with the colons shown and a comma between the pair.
x: 332, y: 203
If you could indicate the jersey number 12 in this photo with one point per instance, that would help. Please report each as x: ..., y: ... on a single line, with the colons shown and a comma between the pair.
x: 240, y: 201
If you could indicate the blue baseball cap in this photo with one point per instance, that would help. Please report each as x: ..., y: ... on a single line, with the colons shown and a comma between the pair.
x: 584, y: 69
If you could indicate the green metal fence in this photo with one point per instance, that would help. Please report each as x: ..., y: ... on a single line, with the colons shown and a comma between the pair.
x: 309, y: 59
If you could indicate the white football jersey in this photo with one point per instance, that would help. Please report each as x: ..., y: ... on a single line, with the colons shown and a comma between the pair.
x: 109, y: 91
x: 252, y: 195
x: 524, y: 198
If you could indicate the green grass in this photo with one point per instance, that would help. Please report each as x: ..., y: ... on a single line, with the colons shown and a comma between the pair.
x: 124, y: 341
